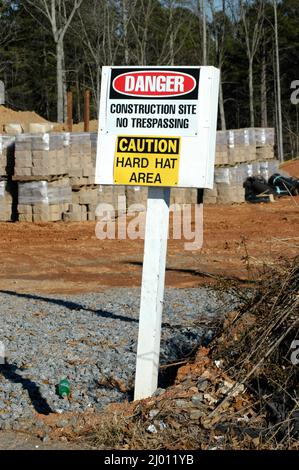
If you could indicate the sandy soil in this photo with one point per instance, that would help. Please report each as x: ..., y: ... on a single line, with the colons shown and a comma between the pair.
x: 68, y: 258
x: 9, y: 116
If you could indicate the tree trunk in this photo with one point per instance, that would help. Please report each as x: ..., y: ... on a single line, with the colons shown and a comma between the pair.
x: 125, y: 29
x: 171, y: 38
x: 98, y: 88
x: 59, y: 77
x: 221, y: 106
x: 279, y: 114
x: 251, y: 104
x: 264, y: 116
x: 78, y: 96
x: 204, y: 34
x: 64, y: 91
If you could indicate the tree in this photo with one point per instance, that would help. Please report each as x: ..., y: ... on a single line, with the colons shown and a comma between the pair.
x: 59, y: 13
x: 219, y: 30
x: 278, y: 91
x: 253, y: 29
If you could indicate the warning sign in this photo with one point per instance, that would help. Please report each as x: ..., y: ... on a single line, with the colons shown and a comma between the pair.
x: 147, y: 160
x: 157, y: 126
x: 161, y: 100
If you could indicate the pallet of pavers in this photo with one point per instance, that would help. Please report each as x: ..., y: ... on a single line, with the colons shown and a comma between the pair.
x: 43, y: 201
x: 90, y: 203
x: 41, y: 156
x: 210, y: 195
x: 221, y: 157
x: 264, y: 143
x: 241, y: 145
x: 93, y: 146
x: 136, y: 198
x: 7, y: 148
x: 81, y: 163
x: 183, y: 196
x: 229, y: 182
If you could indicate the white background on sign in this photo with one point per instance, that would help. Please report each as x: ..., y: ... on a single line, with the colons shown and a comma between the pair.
x: 192, y: 119
x: 197, y: 152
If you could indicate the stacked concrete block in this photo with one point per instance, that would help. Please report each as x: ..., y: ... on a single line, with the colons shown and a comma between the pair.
x: 115, y: 196
x: 264, y: 169
x: 88, y: 202
x: 229, y: 183
x: 183, y: 196
x: 93, y: 144
x: 83, y: 206
x: 82, y: 166
x: 6, y: 201
x: 210, y: 195
x: 43, y: 201
x: 40, y: 155
x: 136, y: 198
x: 221, y: 157
x: 7, y: 148
x: 264, y: 143
x: 241, y: 145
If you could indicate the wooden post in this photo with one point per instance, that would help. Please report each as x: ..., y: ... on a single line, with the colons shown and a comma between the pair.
x: 152, y: 292
x: 86, y: 110
x: 70, y: 111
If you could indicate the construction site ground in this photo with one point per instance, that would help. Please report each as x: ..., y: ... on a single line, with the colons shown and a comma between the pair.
x: 68, y: 258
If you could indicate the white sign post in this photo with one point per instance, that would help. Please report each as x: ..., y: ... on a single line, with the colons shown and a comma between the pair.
x: 157, y: 128
x: 152, y: 292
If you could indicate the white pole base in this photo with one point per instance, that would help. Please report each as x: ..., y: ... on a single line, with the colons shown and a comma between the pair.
x: 152, y: 292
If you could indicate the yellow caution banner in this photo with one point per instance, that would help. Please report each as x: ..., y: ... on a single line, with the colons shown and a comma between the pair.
x: 147, y: 160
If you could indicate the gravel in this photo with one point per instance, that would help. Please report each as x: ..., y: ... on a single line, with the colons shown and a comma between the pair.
x: 91, y: 339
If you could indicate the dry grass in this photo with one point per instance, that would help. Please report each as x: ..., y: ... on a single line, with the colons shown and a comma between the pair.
x: 256, y: 345
x: 254, y: 348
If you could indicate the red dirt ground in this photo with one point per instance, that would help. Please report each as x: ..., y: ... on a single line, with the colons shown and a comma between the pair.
x: 68, y: 258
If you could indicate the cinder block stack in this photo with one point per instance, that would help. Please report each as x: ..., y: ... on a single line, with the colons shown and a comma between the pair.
x: 94, y: 145
x: 221, y: 157
x: 86, y: 200
x: 241, y: 146
x: 40, y: 155
x: 54, y: 173
x: 264, y: 143
x: 43, y: 201
x: 229, y: 183
x: 210, y: 195
x: 41, y: 169
x: 7, y: 188
x: 82, y: 168
x: 136, y: 196
x: 264, y: 169
x: 183, y: 196
x: 247, y: 150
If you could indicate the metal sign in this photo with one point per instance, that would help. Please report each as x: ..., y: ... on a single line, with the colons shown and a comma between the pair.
x: 159, y: 101
x: 143, y: 160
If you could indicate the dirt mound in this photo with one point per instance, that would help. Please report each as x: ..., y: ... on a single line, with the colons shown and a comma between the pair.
x: 291, y: 167
x: 79, y: 127
x: 9, y: 116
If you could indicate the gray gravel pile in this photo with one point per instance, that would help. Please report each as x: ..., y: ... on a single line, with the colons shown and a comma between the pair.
x: 91, y: 339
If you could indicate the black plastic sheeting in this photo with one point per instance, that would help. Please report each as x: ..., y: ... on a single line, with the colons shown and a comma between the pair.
x: 257, y: 189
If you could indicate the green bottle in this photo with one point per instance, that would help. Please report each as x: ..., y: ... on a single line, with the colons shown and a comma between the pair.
x: 64, y: 388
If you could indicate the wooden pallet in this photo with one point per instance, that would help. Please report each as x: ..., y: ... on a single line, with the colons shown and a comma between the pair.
x: 49, y: 179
